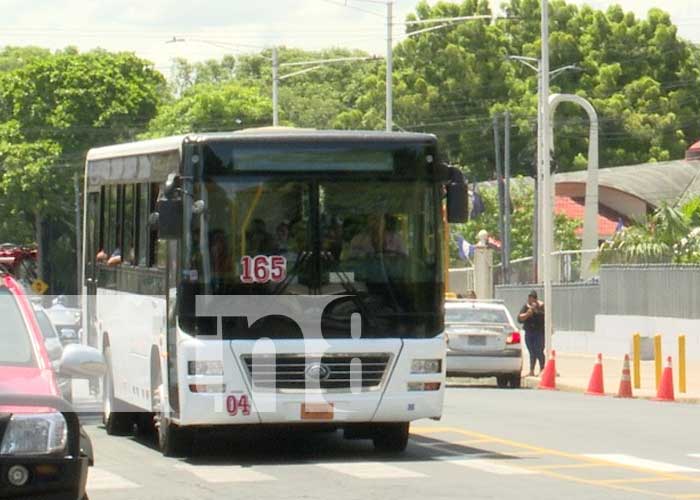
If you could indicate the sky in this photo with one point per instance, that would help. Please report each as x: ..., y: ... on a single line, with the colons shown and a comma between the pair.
x: 214, y: 28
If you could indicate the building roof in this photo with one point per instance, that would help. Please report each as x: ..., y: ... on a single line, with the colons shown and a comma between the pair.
x: 574, y: 208
x: 654, y: 183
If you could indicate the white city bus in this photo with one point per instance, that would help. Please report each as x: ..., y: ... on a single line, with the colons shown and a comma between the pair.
x: 269, y: 276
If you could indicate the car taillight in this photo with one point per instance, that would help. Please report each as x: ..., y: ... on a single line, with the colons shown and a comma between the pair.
x: 513, y: 338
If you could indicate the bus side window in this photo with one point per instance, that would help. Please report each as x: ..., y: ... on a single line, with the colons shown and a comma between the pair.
x: 144, y: 210
x: 128, y: 251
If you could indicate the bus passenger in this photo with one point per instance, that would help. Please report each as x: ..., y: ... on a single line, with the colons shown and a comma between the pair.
x: 259, y: 240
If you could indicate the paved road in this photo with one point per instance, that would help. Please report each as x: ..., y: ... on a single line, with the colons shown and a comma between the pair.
x: 490, y: 444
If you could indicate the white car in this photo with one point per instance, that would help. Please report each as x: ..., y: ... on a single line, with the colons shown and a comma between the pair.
x: 483, y: 341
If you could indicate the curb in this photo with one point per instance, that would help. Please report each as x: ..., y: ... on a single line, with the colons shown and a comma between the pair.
x: 533, y: 382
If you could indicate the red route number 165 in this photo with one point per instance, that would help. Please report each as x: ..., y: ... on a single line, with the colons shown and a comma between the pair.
x: 263, y: 268
x: 235, y: 404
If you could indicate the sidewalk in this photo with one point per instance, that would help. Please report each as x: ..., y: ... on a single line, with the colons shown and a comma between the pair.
x: 575, y: 372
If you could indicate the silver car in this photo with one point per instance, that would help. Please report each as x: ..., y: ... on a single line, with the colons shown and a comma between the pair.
x: 483, y: 341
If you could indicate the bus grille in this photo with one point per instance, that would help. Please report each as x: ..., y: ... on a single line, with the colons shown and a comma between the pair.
x: 335, y: 372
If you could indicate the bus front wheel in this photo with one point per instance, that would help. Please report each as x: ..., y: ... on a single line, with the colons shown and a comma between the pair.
x: 392, y: 438
x: 173, y: 441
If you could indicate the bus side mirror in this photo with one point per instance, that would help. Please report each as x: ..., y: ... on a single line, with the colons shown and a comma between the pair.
x: 457, y: 205
x: 169, y: 211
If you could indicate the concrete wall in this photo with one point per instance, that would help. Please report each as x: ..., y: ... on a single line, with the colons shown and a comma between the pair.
x: 613, y: 336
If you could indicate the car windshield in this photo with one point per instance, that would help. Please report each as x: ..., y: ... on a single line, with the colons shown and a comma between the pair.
x: 284, y: 236
x: 473, y: 315
x: 14, y: 337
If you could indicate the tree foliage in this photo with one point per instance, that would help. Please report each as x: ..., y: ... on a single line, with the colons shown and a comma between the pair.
x: 670, y: 235
x: 53, y: 108
x: 642, y: 79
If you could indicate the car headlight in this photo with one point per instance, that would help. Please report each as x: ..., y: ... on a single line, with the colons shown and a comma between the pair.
x: 35, y: 434
x: 205, y: 368
x: 426, y: 366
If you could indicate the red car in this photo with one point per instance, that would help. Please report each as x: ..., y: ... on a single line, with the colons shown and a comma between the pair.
x: 43, y: 451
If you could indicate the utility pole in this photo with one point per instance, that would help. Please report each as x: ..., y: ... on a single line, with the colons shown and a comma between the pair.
x: 506, y: 166
x: 499, y: 183
x: 546, y: 192
x: 389, y: 65
x: 275, y: 87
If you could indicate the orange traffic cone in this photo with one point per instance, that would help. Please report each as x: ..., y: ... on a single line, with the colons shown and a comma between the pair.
x: 625, y: 390
x: 595, y: 386
x: 548, y: 378
x: 665, y: 391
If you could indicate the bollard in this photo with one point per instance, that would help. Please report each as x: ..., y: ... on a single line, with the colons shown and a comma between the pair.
x: 681, y: 364
x: 657, y: 359
x: 636, y: 359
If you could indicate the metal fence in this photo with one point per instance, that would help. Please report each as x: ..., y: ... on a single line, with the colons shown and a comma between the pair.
x: 575, y: 304
x: 461, y: 280
x: 664, y: 290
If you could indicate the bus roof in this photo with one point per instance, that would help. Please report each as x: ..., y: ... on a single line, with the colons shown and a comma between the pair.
x: 174, y: 143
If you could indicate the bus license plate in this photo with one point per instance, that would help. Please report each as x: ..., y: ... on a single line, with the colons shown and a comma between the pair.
x: 317, y: 411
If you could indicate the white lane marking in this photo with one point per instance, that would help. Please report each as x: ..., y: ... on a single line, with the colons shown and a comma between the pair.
x: 641, y: 463
x: 371, y: 470
x: 225, y: 473
x: 100, y: 479
x: 493, y: 466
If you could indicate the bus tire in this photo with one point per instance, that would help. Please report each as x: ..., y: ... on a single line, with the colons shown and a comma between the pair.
x: 391, y: 438
x: 116, y: 422
x: 173, y: 440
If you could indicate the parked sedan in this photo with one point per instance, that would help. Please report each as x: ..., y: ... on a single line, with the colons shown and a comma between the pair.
x: 54, y: 349
x: 44, y: 454
x: 482, y: 341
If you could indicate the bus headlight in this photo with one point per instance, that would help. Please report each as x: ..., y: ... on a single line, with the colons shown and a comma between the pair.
x: 205, y: 368
x: 35, y: 434
x: 426, y: 366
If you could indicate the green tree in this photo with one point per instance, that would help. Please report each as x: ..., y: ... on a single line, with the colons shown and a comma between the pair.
x: 643, y: 80
x: 210, y: 107
x: 521, y: 223
x: 313, y: 100
x: 53, y: 108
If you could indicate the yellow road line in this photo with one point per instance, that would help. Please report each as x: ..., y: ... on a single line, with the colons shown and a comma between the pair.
x: 567, y: 466
x: 637, y: 480
x: 571, y: 456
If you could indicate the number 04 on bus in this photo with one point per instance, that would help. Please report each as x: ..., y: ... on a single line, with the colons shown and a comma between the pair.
x: 269, y: 276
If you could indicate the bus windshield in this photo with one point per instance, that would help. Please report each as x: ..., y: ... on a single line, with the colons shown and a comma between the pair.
x: 373, y: 242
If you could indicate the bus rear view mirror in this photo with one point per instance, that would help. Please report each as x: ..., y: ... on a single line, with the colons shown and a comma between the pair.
x: 169, y: 218
x: 456, y: 197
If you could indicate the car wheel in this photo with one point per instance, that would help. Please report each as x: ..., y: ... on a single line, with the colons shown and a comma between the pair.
x: 391, y: 438
x: 502, y: 381
x: 515, y: 381
x: 116, y: 422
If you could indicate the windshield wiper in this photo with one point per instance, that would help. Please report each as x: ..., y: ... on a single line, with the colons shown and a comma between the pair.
x: 349, y: 287
x: 282, y: 286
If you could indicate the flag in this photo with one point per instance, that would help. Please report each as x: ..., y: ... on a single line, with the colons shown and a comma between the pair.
x: 493, y: 243
x: 464, y: 248
x: 620, y: 225
x: 477, y: 204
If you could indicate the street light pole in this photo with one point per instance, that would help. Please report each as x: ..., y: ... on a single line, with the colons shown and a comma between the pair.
x: 547, y: 176
x: 389, y: 65
x: 275, y: 87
